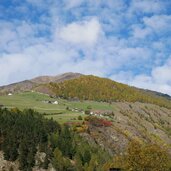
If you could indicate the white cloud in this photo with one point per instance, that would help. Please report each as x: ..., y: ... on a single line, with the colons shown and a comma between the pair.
x: 86, y: 32
x: 162, y: 74
x: 146, y: 6
x: 141, y: 33
x: 13, y: 67
x: 133, y: 55
x: 158, y: 22
x: 91, y: 37
x: 39, y: 3
x: 159, y: 80
x: 147, y: 82
x: 152, y: 26
x: 122, y: 76
x: 73, y: 3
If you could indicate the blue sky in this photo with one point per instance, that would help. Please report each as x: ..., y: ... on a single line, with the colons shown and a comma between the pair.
x: 125, y: 40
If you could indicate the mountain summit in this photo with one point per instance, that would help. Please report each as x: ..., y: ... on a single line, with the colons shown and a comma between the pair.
x: 56, y: 79
x: 28, y: 85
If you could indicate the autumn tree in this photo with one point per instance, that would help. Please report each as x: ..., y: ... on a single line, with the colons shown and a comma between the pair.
x: 138, y: 157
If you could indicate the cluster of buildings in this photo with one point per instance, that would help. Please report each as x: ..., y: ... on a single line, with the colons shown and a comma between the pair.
x: 101, y: 113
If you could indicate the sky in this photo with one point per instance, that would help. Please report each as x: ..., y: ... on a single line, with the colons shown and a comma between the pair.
x: 128, y: 41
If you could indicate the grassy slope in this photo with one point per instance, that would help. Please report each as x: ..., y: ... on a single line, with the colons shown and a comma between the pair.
x: 30, y: 100
x: 34, y: 100
x: 130, y: 120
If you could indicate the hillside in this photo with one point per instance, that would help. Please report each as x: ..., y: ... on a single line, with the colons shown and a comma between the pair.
x: 28, y: 85
x: 103, y: 89
x: 82, y: 87
x: 17, y: 87
x: 102, y: 134
x: 132, y: 121
x: 103, y: 116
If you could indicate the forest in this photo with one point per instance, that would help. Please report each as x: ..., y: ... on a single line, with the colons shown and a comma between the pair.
x: 106, y: 90
x: 23, y: 134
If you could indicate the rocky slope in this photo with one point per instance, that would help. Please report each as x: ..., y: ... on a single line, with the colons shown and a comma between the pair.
x: 143, y: 122
x: 56, y: 79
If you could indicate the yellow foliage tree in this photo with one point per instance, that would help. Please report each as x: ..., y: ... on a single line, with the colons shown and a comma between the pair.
x: 139, y: 157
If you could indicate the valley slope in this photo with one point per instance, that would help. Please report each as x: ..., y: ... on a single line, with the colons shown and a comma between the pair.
x: 129, y: 113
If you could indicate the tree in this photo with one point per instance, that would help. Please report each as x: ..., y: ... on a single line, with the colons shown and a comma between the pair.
x: 92, y: 164
x: 87, y: 156
x: 78, y: 164
x: 65, y: 142
x: 80, y: 117
x: 144, y: 158
x: 53, y: 140
x: 30, y: 159
x: 59, y: 162
x: 23, y: 151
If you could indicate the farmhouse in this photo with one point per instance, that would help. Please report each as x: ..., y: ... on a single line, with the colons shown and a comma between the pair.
x: 55, y: 102
x: 101, y: 112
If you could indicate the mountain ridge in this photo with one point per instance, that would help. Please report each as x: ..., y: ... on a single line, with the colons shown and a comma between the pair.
x: 28, y: 85
x: 56, y: 78
x: 67, y: 85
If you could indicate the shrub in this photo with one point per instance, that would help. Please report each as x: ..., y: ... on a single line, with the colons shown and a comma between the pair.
x: 80, y: 117
x: 98, y: 121
x: 87, y: 112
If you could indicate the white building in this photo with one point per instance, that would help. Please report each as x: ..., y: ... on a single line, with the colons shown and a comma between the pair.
x: 55, y: 102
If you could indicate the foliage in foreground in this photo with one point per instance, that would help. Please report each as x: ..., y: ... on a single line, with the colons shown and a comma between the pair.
x: 138, y: 157
x: 23, y: 134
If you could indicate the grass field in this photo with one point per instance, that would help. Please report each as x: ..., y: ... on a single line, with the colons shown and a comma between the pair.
x: 36, y: 100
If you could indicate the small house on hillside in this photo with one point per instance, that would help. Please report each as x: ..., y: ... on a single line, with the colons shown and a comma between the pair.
x: 55, y: 102
x: 9, y: 94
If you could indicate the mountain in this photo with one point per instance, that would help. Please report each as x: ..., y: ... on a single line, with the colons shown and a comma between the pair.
x: 103, y: 89
x: 17, y: 87
x: 56, y: 79
x: 87, y: 87
x: 159, y: 94
x: 35, y: 82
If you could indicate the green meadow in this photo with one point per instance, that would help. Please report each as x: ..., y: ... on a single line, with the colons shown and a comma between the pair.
x: 58, y: 111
